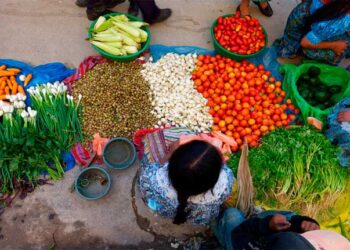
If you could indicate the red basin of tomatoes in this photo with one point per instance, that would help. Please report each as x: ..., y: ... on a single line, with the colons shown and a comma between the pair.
x: 238, y: 37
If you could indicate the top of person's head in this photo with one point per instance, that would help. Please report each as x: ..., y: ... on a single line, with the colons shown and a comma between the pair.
x: 194, y: 167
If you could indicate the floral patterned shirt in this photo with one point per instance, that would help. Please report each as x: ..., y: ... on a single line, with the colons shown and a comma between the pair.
x: 160, y: 196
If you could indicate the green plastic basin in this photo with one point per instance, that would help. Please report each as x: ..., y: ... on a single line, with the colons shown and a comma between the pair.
x: 226, y: 53
x: 125, y: 58
x: 93, y: 183
x: 119, y: 153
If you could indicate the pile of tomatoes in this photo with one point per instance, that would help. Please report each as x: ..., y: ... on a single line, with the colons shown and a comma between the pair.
x: 241, y: 35
x: 245, y: 100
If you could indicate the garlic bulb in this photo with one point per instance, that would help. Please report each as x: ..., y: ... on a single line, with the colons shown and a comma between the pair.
x: 176, y: 101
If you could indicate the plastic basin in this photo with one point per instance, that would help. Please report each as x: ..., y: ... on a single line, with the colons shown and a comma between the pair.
x: 125, y: 58
x: 93, y: 183
x: 119, y: 153
x: 226, y: 53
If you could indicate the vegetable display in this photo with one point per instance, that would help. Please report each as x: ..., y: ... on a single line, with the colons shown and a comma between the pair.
x: 8, y: 84
x: 245, y: 100
x: 175, y: 99
x: 296, y: 169
x: 118, y: 35
x: 59, y: 115
x: 30, y: 145
x: 116, y: 100
x: 315, y: 92
x: 241, y: 35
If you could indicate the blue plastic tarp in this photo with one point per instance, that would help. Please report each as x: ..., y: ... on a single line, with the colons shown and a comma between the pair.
x: 268, y: 58
x: 45, y: 73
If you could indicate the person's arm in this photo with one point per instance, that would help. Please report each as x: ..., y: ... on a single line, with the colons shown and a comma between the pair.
x: 337, y: 46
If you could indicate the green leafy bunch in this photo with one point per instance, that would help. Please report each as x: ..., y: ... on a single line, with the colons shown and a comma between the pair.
x: 296, y: 169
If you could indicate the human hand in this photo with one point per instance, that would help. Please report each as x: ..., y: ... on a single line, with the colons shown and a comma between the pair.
x: 309, y: 226
x: 344, y: 116
x: 339, y: 47
x: 279, y: 222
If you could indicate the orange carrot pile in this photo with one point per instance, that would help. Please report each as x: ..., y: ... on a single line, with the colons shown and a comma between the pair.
x: 8, y: 83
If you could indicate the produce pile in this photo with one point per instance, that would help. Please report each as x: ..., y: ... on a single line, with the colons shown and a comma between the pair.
x: 245, y: 100
x: 175, y: 99
x: 8, y: 83
x: 315, y: 92
x: 296, y: 169
x: 32, y: 137
x: 118, y: 35
x: 241, y: 35
x: 116, y: 100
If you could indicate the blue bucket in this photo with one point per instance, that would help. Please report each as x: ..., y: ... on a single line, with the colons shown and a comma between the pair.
x: 119, y: 153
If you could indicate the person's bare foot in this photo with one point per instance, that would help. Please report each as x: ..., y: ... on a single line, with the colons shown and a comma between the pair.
x: 264, y: 4
x: 344, y: 116
x: 244, y: 9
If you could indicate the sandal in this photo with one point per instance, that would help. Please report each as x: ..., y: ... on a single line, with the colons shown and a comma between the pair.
x: 267, y: 11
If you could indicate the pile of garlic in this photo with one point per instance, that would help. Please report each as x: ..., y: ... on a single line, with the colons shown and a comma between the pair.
x: 174, y: 97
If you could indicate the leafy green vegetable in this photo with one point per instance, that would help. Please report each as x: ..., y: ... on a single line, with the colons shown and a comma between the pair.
x: 33, y: 145
x: 296, y: 169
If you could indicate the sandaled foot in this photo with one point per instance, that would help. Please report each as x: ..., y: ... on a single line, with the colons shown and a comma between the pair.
x: 93, y: 15
x: 81, y: 3
x: 113, y: 3
x: 265, y: 8
x: 163, y: 15
x: 243, y: 10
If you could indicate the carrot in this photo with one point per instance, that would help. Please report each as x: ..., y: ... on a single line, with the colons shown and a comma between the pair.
x: 2, y: 67
x: 7, y: 90
x: 14, y: 87
x: 6, y: 73
x: 9, y: 83
x: 27, y: 80
x: 3, y: 84
x: 2, y: 92
x: 16, y: 71
x: 3, y: 97
x: 21, y: 90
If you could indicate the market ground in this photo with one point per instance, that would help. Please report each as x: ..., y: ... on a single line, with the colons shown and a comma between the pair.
x: 42, y: 31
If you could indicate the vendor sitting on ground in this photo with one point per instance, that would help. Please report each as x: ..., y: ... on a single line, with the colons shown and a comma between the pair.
x: 184, y: 180
x: 319, y: 28
x: 275, y: 230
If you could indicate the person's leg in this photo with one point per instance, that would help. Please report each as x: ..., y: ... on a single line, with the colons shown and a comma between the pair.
x: 133, y: 8
x: 150, y: 11
x: 222, y: 228
x: 244, y: 7
x: 95, y: 8
x: 289, y: 44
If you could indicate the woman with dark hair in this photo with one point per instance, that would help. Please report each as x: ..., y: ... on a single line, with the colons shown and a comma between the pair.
x: 184, y: 182
x: 319, y: 28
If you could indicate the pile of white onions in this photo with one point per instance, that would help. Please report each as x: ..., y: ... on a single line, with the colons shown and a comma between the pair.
x: 176, y: 101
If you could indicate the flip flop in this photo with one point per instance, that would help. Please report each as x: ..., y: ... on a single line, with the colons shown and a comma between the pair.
x: 267, y: 11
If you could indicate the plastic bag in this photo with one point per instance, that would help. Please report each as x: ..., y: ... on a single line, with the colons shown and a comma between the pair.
x: 50, y: 72
x: 330, y: 75
x: 268, y: 58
